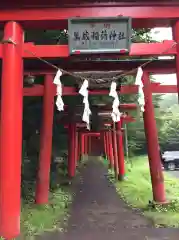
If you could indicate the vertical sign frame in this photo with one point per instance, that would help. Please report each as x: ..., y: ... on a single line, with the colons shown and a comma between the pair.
x: 98, y: 23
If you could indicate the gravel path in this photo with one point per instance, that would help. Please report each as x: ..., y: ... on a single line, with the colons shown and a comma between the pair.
x: 98, y: 213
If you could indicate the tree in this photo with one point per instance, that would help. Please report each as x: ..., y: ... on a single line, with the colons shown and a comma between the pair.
x: 169, y: 132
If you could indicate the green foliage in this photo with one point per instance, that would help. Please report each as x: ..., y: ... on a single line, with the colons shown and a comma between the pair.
x: 138, y: 193
x: 40, y: 219
x: 142, y: 35
x: 136, y: 134
x: 169, y: 133
x: 168, y: 100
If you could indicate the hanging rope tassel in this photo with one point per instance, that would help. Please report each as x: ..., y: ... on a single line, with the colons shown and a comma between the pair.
x: 138, y: 82
x: 57, y: 82
x: 87, y: 112
x: 116, y: 116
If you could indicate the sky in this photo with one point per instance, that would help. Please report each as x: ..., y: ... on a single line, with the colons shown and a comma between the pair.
x: 161, y: 34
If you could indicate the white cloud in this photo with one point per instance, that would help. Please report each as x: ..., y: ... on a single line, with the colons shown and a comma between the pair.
x: 161, y: 34
x: 166, y: 79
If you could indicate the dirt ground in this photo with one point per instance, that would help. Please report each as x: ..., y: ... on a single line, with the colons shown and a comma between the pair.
x: 98, y: 213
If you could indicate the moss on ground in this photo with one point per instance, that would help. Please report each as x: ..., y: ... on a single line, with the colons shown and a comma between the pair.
x: 137, y: 191
x: 35, y: 220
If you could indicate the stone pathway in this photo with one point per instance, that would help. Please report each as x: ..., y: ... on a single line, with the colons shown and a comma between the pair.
x: 98, y: 213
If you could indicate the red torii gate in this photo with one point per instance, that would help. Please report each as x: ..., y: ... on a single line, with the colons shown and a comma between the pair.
x: 81, y: 147
x: 143, y: 15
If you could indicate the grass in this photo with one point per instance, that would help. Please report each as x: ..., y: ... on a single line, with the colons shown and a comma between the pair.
x: 136, y: 191
x: 36, y: 220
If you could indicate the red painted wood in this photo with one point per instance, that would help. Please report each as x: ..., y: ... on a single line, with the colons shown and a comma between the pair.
x: 92, y: 134
x: 76, y: 147
x: 109, y: 149
x: 38, y: 90
x: 82, y: 140
x: 176, y: 38
x: 111, y: 153
x: 56, y: 51
x: 163, y: 67
x: 121, y: 162
x: 125, y: 119
x: 86, y: 144
x: 115, y: 151
x: 54, y: 3
x: 11, y: 133
x: 152, y: 144
x: 130, y: 89
x: 43, y: 178
x: 107, y: 146
x: 143, y: 16
x: 104, y: 139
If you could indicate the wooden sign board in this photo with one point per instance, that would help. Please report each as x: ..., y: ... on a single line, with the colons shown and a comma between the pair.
x: 99, y: 35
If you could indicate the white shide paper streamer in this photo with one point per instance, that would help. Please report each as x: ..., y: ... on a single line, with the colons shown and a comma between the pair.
x: 138, y: 81
x: 57, y: 82
x: 87, y: 112
x: 115, y: 107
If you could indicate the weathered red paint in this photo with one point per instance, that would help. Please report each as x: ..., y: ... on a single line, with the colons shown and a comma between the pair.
x: 77, y: 146
x: 152, y: 144
x: 137, y: 49
x: 36, y: 90
x: 86, y: 144
x: 55, y: 18
x: 110, y: 149
x: 87, y: 3
x: 56, y: 51
x: 111, y: 152
x: 89, y: 145
x: 121, y: 162
x: 93, y: 134
x: 132, y: 89
x: 176, y: 38
x: 11, y: 132
x: 107, y: 146
x: 104, y: 142
x: 43, y: 176
x: 82, y: 144
x: 115, y: 151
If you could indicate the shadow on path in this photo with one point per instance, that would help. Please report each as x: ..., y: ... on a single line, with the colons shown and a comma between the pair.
x: 98, y: 213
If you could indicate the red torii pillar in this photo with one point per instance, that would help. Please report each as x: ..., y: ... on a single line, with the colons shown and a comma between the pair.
x: 152, y: 144
x: 115, y: 153
x: 89, y: 145
x: 121, y: 162
x: 79, y: 146
x: 109, y: 149
x: 43, y: 177
x: 103, y: 138
x: 76, y: 146
x: 175, y: 31
x: 111, y: 152
x: 82, y: 144
x: 71, y: 149
x: 86, y: 144
x: 11, y: 131
x: 106, y: 144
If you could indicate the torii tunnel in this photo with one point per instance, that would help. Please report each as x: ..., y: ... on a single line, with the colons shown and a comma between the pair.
x: 20, y: 58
